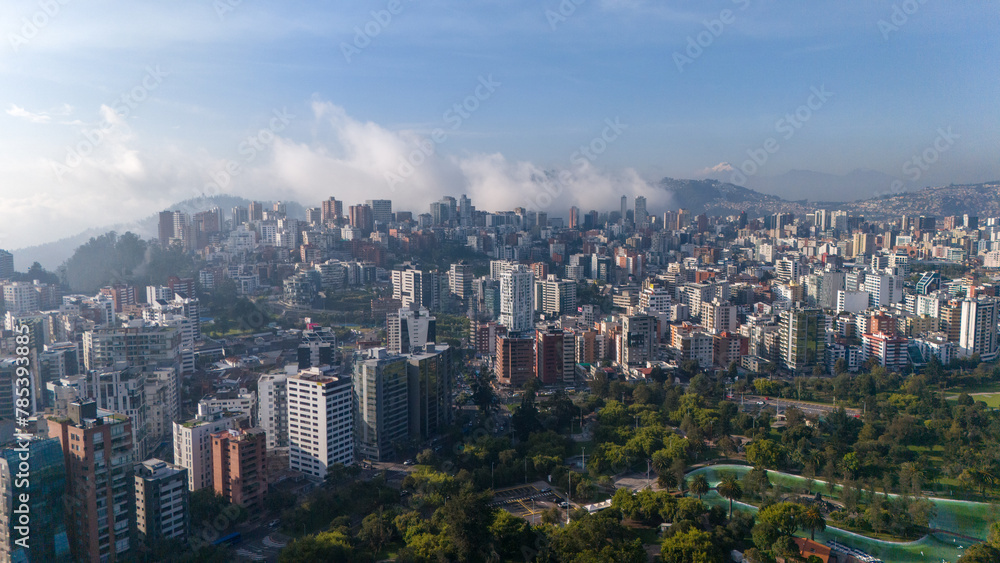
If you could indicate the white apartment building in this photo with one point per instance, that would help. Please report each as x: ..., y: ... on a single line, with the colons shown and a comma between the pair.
x: 193, y: 444
x: 516, y: 311
x: 272, y: 409
x: 320, y: 422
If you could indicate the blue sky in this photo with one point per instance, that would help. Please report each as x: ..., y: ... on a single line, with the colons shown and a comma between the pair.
x: 216, y: 71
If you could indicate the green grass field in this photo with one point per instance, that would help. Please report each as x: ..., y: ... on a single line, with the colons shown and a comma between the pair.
x: 968, y: 518
x: 992, y: 400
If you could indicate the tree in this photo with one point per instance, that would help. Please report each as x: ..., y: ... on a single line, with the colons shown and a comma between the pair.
x: 730, y: 488
x: 524, y: 421
x: 466, y: 518
x: 325, y: 546
x: 377, y: 530
x: 980, y: 553
x: 764, y: 535
x: 812, y: 518
x: 786, y: 517
x: 692, y: 546
x: 756, y: 481
x: 509, y: 534
x: 727, y: 445
x: 765, y: 453
x: 699, y: 485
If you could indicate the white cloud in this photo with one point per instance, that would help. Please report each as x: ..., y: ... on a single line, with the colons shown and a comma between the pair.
x: 18, y: 111
x: 719, y: 168
x: 124, y: 177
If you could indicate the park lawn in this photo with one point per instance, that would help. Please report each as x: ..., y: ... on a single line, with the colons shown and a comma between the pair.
x: 649, y: 536
x: 970, y: 389
x: 389, y: 552
x: 992, y: 400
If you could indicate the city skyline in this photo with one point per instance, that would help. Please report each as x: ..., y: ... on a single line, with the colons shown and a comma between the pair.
x: 336, y: 100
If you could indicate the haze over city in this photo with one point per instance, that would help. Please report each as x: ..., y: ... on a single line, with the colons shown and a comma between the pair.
x: 116, y: 111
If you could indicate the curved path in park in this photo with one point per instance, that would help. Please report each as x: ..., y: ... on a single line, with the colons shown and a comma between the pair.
x: 956, y: 525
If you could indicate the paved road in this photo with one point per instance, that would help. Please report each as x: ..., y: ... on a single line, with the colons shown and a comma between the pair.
x: 260, y: 543
x: 808, y: 408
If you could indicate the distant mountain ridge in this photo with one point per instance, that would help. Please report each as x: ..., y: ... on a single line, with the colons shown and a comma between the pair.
x: 51, y: 255
x: 710, y: 196
x: 806, y: 185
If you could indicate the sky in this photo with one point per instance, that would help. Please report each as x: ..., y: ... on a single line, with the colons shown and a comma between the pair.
x: 114, y: 110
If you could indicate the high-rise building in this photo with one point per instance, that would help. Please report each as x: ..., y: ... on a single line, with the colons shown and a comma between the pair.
x: 719, y: 316
x: 683, y: 219
x: 256, y: 211
x: 272, y: 393
x: 889, y: 350
x: 414, y: 287
x: 320, y: 422
x: 638, y: 340
x: 408, y: 329
x: 883, y: 289
x: 979, y: 328
x: 381, y: 405
x: 802, y: 338
x: 162, y: 501
x: 516, y: 311
x: 466, y: 211
x: 331, y: 210
x: 6, y: 265
x: 239, y: 215
x: 236, y: 400
x: 486, y: 337
x: 515, y: 361
x: 440, y: 213
x: 137, y: 345
x: 429, y: 388
x: 460, y: 279
x: 555, y: 296
x: 20, y: 297
x: 314, y: 216
x: 163, y: 404
x: 193, y: 444
x: 641, y: 215
x: 381, y: 210
x: 123, y: 391
x: 239, y: 472
x: 574, y: 217
x: 99, y: 500
x: 555, y: 356
x: 361, y: 217
x: 165, y: 230
x: 45, y: 539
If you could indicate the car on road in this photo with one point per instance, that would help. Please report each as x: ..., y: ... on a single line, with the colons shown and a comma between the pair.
x: 760, y: 402
x: 274, y: 524
x: 563, y: 504
x: 546, y: 490
x: 409, y: 462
